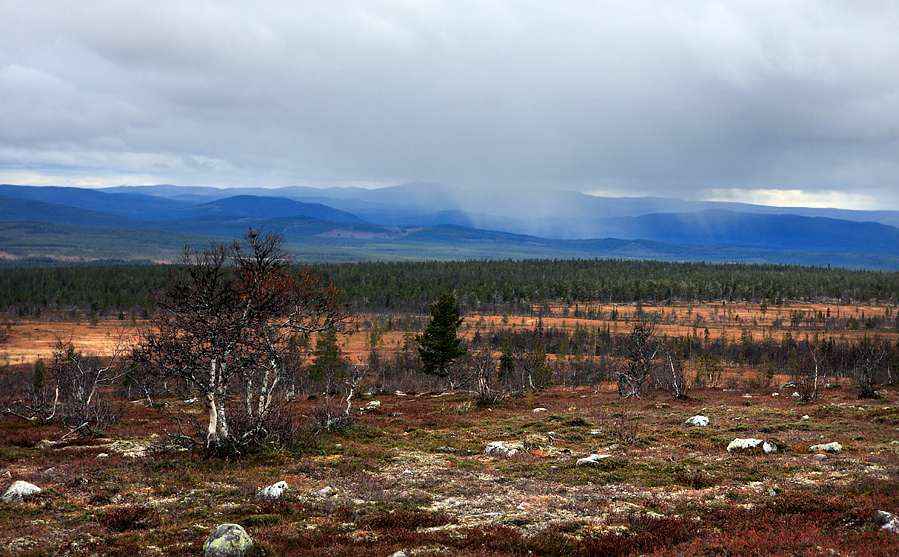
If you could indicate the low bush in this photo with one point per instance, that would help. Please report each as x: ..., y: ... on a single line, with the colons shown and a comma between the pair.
x: 130, y: 517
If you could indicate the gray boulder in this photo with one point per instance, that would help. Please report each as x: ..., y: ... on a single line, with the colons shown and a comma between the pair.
x: 591, y: 460
x: 18, y: 490
x: 886, y: 521
x: 499, y: 448
x: 272, y: 492
x: 699, y: 421
x: 228, y: 540
x: 750, y: 444
x: 453, y: 450
x: 535, y: 442
x: 327, y: 491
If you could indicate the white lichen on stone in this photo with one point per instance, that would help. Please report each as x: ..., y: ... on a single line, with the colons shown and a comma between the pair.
x: 18, y: 490
x: 749, y: 444
x: 228, y: 540
x: 699, y: 421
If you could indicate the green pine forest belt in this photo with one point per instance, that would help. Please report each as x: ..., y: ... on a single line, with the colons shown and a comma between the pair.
x: 509, y: 283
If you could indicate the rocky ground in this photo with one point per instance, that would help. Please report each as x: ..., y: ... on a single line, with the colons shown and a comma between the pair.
x: 411, y: 474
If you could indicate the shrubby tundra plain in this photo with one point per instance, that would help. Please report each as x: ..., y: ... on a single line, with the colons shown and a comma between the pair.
x: 505, y: 278
x: 544, y: 407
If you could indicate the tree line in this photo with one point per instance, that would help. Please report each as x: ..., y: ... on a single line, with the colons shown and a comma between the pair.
x: 502, y: 286
x: 233, y: 325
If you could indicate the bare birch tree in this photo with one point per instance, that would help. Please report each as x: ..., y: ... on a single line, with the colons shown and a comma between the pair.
x: 229, y: 312
x: 72, y: 389
x: 641, y: 351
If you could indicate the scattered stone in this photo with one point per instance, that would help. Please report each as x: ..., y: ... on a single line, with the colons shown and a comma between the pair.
x: 772, y: 493
x: 886, y: 521
x: 228, y: 540
x: 499, y: 448
x: 18, y: 490
x: 103, y: 455
x: 399, y: 554
x: 540, y: 445
x: 327, y: 491
x: 453, y: 450
x: 539, y: 410
x: 775, y: 394
x: 795, y: 395
x: 399, y: 393
x: 804, y: 418
x: 747, y: 395
x: 591, y: 460
x: 272, y: 492
x: 371, y: 406
x: 191, y: 401
x: 699, y: 421
x: 827, y: 447
x: 788, y: 385
x: 595, y: 432
x: 739, y: 445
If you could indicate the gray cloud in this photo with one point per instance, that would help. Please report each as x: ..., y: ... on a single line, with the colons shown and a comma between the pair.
x: 629, y: 97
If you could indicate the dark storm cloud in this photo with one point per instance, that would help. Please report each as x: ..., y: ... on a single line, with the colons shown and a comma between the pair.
x: 723, y: 99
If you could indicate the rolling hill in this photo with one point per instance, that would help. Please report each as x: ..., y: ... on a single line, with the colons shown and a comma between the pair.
x: 131, y: 205
x: 268, y: 207
x: 749, y: 230
x: 428, y: 221
x: 551, y: 214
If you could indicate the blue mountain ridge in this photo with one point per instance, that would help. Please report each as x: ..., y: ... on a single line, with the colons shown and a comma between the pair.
x: 421, y: 221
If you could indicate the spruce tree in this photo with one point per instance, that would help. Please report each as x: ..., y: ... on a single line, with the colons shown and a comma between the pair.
x: 506, y: 360
x: 40, y: 375
x: 439, y: 346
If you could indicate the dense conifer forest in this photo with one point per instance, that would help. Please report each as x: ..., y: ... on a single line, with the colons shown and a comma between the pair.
x: 512, y: 286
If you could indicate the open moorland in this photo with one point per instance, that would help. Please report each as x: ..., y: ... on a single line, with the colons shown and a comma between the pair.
x: 410, y: 474
x: 407, y: 470
x: 561, y: 430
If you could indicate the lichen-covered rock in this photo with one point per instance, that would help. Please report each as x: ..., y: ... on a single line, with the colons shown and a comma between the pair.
x: 453, y: 450
x: 699, y: 421
x: 826, y: 447
x: 327, y: 491
x: 228, y: 540
x: 886, y: 521
x: 591, y: 460
x: 18, y: 490
x: 749, y: 444
x: 499, y: 448
x: 272, y: 492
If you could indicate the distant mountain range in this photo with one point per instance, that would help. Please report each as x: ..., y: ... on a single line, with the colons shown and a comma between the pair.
x: 431, y: 221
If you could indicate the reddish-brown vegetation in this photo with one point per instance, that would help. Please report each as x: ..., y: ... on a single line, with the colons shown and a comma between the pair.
x: 667, y: 489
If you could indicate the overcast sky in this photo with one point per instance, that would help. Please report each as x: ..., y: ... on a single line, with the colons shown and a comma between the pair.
x: 778, y: 102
